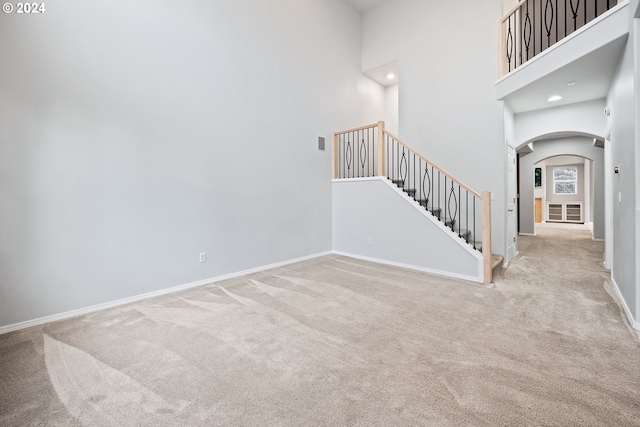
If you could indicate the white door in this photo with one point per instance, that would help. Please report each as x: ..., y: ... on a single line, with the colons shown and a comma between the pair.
x: 512, y: 232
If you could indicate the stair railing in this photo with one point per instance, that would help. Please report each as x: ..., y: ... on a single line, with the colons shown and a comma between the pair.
x: 370, y: 151
x: 532, y: 26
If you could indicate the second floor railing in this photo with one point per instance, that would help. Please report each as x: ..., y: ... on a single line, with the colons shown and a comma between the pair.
x: 370, y: 151
x: 533, y: 26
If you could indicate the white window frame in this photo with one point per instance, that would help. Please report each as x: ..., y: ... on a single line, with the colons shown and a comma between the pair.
x: 575, y: 181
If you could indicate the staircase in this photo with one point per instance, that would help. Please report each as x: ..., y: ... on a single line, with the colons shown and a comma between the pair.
x: 371, y: 151
x: 438, y: 214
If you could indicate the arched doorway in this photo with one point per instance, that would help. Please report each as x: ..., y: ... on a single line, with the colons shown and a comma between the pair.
x: 566, y: 151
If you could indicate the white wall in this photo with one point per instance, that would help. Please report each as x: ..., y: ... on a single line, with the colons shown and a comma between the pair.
x: 401, y: 231
x: 391, y: 112
x: 584, y: 118
x: 448, y: 110
x: 135, y: 135
x: 622, y: 124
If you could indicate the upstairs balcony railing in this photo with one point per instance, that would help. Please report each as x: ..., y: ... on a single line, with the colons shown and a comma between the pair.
x: 533, y: 26
x: 370, y: 151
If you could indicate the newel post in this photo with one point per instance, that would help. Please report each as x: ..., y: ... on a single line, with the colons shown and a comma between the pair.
x: 381, y: 171
x: 335, y: 155
x: 486, y: 236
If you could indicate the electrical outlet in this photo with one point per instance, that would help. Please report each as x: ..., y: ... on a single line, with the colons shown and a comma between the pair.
x: 203, y: 257
x: 370, y: 241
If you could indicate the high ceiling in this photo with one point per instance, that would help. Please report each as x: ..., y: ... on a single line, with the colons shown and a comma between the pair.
x: 363, y: 5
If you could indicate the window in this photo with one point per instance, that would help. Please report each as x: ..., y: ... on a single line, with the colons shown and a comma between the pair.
x: 565, y: 180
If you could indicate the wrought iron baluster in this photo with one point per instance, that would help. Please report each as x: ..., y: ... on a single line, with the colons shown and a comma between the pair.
x: 455, y: 214
x: 541, y: 49
x: 527, y: 28
x: 574, y: 11
x: 363, y: 155
x: 548, y: 25
x: 348, y: 158
x: 509, y: 42
x: 534, y: 28
x: 439, y: 207
x: 556, y: 41
x: 445, y: 200
x: 415, y: 184
x: 460, y: 219
x: 474, y: 223
x: 403, y: 173
x: 466, y: 216
x: 565, y: 18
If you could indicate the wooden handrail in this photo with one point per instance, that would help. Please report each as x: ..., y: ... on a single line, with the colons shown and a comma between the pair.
x: 472, y: 191
x: 511, y: 12
x: 485, y: 197
x: 356, y: 129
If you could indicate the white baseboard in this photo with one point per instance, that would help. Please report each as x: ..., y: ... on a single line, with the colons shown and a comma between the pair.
x: 413, y: 267
x: 635, y: 325
x: 526, y: 234
x: 110, y: 304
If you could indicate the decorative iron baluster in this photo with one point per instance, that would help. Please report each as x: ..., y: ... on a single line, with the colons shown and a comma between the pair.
x: 474, y: 223
x: 510, y: 45
x: 452, y: 194
x: 363, y: 155
x: 466, y: 206
x: 534, y: 28
x: 527, y: 29
x: 348, y: 158
x: 403, y: 165
x: 373, y: 152
x: 557, y: 11
x: 548, y: 26
x: 426, y: 195
x: 574, y: 11
x: 460, y: 222
x: 565, y: 18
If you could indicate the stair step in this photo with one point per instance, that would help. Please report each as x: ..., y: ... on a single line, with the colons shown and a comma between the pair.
x: 496, y: 261
x: 410, y: 191
x: 398, y: 182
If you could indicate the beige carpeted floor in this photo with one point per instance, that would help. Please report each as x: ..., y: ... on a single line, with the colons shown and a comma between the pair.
x: 341, y: 342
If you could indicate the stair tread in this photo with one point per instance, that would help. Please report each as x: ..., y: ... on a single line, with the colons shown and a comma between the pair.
x: 496, y: 261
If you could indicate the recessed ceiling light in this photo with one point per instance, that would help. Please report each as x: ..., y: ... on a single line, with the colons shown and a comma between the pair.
x: 554, y: 98
x: 391, y: 76
x: 573, y: 83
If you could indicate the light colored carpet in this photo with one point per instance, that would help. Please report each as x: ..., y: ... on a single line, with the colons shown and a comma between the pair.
x: 336, y: 341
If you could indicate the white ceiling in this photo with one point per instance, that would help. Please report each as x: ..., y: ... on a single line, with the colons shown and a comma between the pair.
x: 363, y: 5
x: 381, y: 74
x: 592, y: 75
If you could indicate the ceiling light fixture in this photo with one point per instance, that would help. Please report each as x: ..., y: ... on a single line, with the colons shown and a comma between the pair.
x: 554, y: 98
x: 391, y: 76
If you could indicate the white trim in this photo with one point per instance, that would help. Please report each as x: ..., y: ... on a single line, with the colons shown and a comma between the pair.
x: 116, y: 303
x: 479, y: 280
x: 635, y: 325
x: 367, y: 178
x: 526, y: 234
